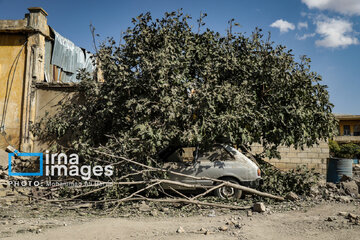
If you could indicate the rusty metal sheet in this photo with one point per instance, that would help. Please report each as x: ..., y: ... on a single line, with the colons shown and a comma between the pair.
x: 70, y: 58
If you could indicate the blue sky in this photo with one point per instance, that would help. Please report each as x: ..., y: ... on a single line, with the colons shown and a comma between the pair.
x: 327, y: 31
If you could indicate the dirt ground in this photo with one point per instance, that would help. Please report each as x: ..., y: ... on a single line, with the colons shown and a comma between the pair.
x: 321, y: 221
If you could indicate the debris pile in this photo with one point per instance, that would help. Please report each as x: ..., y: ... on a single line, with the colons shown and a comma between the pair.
x: 345, y: 191
x: 356, y: 172
x: 351, y: 218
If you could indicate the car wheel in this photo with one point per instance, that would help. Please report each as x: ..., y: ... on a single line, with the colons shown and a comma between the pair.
x: 226, y: 192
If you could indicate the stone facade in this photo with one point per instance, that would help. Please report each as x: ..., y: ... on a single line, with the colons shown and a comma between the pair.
x: 314, y: 157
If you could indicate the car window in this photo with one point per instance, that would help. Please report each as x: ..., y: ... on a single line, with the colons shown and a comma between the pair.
x: 176, y: 156
x: 182, y: 155
x: 216, y: 153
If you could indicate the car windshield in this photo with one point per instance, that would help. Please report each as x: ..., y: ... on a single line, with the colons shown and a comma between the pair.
x: 231, y: 150
x: 216, y: 153
x: 180, y: 155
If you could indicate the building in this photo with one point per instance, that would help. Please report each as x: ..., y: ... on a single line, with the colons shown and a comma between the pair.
x: 349, y: 128
x: 37, y: 69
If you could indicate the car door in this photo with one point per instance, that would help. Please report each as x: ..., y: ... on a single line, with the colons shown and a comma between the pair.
x: 213, y: 163
x: 181, y: 162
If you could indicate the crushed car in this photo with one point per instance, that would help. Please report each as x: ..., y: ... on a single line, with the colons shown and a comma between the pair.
x: 222, y: 162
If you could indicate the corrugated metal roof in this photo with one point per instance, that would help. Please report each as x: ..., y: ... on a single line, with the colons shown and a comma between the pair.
x: 69, y: 57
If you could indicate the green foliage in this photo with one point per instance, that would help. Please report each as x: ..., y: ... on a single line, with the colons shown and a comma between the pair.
x: 333, y: 146
x: 346, y: 150
x: 299, y: 180
x: 167, y: 84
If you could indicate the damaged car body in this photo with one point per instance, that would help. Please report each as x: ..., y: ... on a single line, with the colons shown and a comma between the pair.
x: 221, y: 162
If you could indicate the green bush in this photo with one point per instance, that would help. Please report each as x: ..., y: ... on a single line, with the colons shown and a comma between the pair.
x: 347, y: 150
x: 299, y: 180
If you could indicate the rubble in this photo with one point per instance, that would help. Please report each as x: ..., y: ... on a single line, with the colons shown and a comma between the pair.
x: 331, y: 185
x: 203, y: 230
x: 249, y: 213
x: 180, y: 230
x: 352, y: 218
x: 212, y: 214
x: 350, y: 188
x: 259, y: 207
x: 343, y: 214
x: 346, y: 191
x: 143, y: 207
x: 223, y: 228
x: 292, y: 196
x: 330, y: 219
x: 344, y: 199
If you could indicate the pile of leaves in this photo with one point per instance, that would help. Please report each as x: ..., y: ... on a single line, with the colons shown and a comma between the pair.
x: 299, y: 180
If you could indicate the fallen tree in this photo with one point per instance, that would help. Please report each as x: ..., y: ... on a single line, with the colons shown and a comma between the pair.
x: 167, y: 84
x: 226, y: 183
x: 155, y: 183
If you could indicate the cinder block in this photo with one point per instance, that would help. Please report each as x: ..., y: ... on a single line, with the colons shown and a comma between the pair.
x: 296, y: 150
x: 316, y: 161
x: 325, y: 150
x: 296, y: 160
x: 324, y: 144
x: 306, y: 160
x: 313, y: 165
x: 292, y: 154
x: 324, y: 155
x: 302, y: 155
x: 284, y: 150
x: 280, y: 165
x: 293, y: 165
x: 307, y: 150
x: 275, y: 160
x: 312, y: 155
x: 317, y: 149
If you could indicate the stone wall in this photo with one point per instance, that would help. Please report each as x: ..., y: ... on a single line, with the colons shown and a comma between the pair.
x: 314, y: 157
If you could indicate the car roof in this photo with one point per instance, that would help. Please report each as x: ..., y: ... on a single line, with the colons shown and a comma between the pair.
x: 167, y: 151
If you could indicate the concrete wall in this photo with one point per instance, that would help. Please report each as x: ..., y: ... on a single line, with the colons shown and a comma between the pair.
x: 49, y: 98
x: 27, y: 37
x: 314, y: 157
x: 10, y: 46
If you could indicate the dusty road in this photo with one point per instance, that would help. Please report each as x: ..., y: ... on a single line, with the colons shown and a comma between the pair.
x: 301, y: 224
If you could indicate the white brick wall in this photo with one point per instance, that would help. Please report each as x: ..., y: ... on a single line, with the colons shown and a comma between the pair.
x: 314, y: 157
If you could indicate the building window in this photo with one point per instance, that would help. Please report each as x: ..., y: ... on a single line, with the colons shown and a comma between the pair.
x: 357, y: 130
x: 347, y: 130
